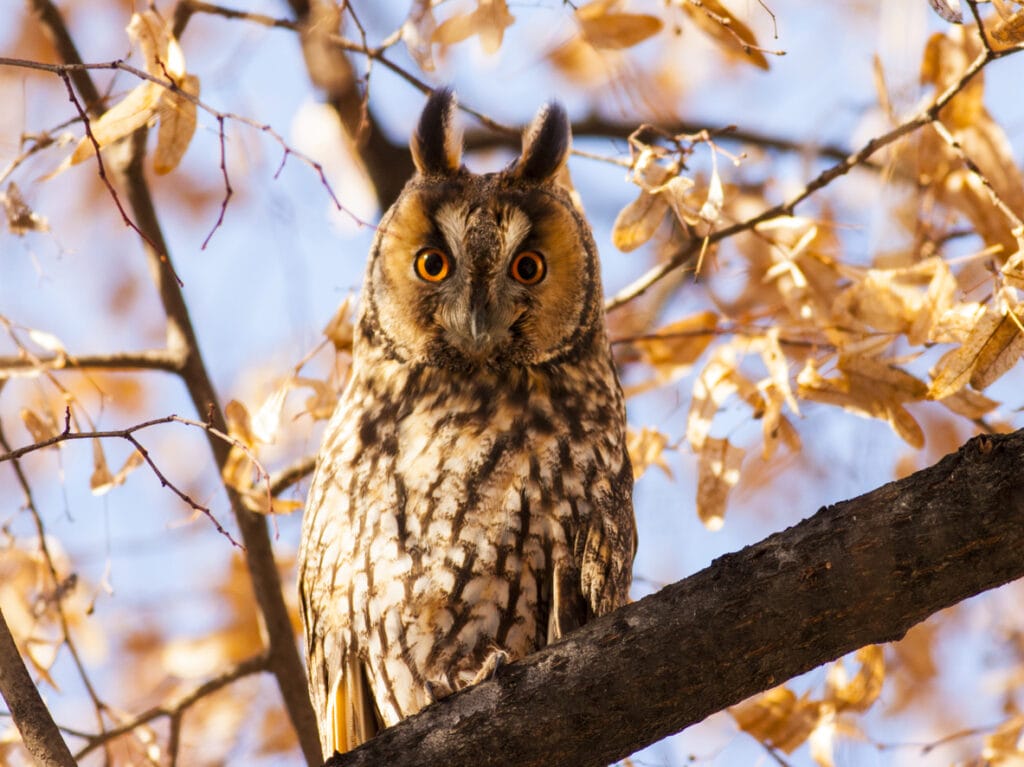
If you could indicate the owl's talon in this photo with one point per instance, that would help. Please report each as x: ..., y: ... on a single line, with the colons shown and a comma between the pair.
x: 492, y: 663
x: 437, y: 690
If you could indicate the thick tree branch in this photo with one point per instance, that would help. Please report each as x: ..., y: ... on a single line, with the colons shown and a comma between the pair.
x: 859, y: 572
x: 38, y: 732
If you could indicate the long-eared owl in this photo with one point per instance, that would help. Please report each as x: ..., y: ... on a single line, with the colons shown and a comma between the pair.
x: 472, y: 497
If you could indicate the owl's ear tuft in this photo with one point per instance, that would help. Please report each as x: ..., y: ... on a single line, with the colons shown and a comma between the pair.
x: 437, y: 143
x: 545, y: 145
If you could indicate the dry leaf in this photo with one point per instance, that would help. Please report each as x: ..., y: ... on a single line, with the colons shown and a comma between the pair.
x: 859, y: 693
x: 177, y: 116
x: 339, y: 329
x: 101, y: 480
x: 1005, y: 746
x: 605, y: 28
x: 992, y: 348
x: 949, y: 10
x: 417, y: 33
x: 716, y: 382
x: 267, y: 421
x: 718, y: 471
x: 638, y: 221
x: 778, y: 718
x: 776, y: 427
x: 164, y: 59
x: 732, y: 35
x: 489, y: 20
x: 672, y: 349
x: 1009, y: 30
x: 645, y: 450
x: 40, y: 428
x: 21, y: 219
x: 869, y: 387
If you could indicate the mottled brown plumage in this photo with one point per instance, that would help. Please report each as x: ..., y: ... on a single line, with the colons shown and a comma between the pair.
x: 472, y: 499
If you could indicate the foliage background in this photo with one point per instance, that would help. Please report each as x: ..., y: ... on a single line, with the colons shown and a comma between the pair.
x: 161, y: 600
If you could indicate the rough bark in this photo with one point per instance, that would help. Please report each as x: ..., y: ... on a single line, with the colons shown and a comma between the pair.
x: 859, y: 572
x: 38, y: 732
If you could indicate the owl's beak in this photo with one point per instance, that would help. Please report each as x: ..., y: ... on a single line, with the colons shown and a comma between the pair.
x: 480, y: 331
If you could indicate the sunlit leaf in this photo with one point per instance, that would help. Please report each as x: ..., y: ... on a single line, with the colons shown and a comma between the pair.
x: 603, y: 27
x: 638, y: 221
x: 992, y: 348
x: 732, y: 35
x: 646, y: 448
x: 778, y: 717
x: 39, y: 427
x: 859, y: 693
x: 489, y: 20
x: 949, y: 10
x: 672, y: 349
x: 101, y: 480
x: 417, y: 34
x: 718, y: 471
x: 339, y: 329
x: 177, y: 115
x: 21, y: 219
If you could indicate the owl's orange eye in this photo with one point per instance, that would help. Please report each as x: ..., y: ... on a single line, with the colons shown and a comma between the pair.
x: 432, y: 264
x: 528, y: 267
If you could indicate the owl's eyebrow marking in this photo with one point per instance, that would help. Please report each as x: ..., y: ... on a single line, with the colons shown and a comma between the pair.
x: 515, y: 226
x: 453, y: 221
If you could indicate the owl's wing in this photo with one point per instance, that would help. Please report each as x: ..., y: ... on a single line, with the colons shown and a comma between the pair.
x: 607, y: 545
x: 351, y: 711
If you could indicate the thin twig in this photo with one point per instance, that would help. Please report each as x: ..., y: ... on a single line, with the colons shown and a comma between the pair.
x: 176, y: 709
x: 922, y: 118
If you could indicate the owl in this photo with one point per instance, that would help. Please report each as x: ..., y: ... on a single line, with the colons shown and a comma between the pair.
x: 472, y: 500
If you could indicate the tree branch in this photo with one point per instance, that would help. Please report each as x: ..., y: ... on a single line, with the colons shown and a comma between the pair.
x: 38, y: 732
x: 284, y: 661
x: 859, y: 572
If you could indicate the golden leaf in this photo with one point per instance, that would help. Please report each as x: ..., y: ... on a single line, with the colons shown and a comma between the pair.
x: 645, y: 450
x: 604, y: 28
x: 713, y: 386
x: 718, y: 471
x: 992, y: 347
x: 778, y: 717
x: 776, y: 427
x: 124, y: 118
x: 868, y: 387
x: 133, y: 461
x: 339, y: 329
x: 638, y: 221
x: 21, y: 219
x: 734, y: 37
x: 1009, y: 30
x: 417, y: 32
x: 969, y: 403
x: 489, y: 21
x: 859, y: 693
x: 267, y: 421
x: 177, y: 116
x: 101, y: 480
x: 239, y: 423
x: 672, y: 349
x: 1003, y: 747
x: 40, y: 428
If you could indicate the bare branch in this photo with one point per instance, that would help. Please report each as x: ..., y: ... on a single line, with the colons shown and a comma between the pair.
x: 925, y: 117
x: 152, y: 359
x: 176, y: 709
x: 283, y: 655
x: 38, y: 731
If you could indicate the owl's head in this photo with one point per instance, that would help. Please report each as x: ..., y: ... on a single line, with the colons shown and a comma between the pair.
x: 494, y: 271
